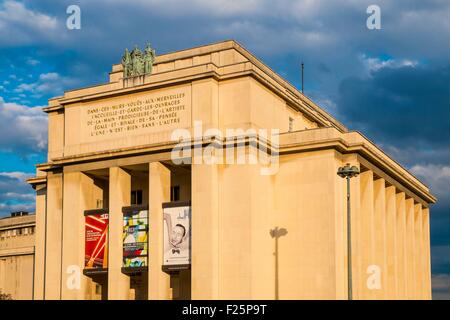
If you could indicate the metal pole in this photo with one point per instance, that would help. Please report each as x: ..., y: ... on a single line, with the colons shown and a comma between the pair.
x: 349, y: 243
x: 303, y: 67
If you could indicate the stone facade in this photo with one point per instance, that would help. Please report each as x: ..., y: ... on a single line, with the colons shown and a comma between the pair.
x: 107, y: 141
x: 17, y: 239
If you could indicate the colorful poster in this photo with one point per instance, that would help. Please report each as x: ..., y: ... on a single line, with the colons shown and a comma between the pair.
x: 96, y: 240
x: 177, y: 231
x: 135, y: 238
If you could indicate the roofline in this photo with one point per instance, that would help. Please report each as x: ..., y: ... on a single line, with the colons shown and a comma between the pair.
x: 215, y: 47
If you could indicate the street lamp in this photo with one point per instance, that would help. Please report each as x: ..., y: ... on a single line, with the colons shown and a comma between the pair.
x: 348, y: 172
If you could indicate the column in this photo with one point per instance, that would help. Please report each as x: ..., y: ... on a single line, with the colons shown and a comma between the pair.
x: 77, y: 198
x: 367, y: 233
x: 119, y: 196
x: 401, y: 245
x: 205, y: 232
x: 391, y: 243
x: 418, y: 251
x: 380, y: 258
x: 410, y: 265
x: 204, y: 199
x: 159, y: 192
x: 39, y: 255
x: 52, y: 275
x: 426, y: 255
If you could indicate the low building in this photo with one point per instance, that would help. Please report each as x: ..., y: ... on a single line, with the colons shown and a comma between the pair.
x: 17, y: 235
x: 202, y: 174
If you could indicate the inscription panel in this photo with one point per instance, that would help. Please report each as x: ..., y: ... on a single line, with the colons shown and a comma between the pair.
x: 126, y: 121
x: 137, y: 114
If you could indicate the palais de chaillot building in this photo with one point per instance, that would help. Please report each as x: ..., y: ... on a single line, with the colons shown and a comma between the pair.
x: 133, y: 203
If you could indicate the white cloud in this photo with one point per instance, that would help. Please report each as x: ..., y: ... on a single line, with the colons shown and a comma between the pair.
x: 49, y: 76
x: 211, y: 7
x: 21, y: 26
x: 32, y: 62
x: 22, y: 129
x: 437, y: 177
x: 5, y: 208
x: 15, y: 193
x: 375, y: 64
x: 48, y: 83
x: 22, y: 176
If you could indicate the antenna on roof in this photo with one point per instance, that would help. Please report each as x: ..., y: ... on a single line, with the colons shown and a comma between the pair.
x: 303, y: 68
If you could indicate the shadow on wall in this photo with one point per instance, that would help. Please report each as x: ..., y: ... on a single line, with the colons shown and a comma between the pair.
x: 276, y: 233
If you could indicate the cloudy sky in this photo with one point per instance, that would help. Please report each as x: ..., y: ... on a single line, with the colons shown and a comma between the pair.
x: 392, y: 84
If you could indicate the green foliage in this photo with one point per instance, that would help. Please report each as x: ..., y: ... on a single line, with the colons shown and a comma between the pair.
x: 5, y: 296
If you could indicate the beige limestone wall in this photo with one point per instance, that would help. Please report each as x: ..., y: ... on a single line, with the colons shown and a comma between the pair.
x: 79, y: 196
x: 39, y: 265
x: 426, y: 254
x: 53, y: 237
x: 17, y: 240
x: 235, y: 208
x: 392, y: 257
x: 159, y: 192
x: 389, y: 235
x: 119, y: 196
x: 304, y: 207
x: 16, y: 276
x: 233, y: 258
x: 55, y: 134
x: 205, y: 244
x: 381, y: 243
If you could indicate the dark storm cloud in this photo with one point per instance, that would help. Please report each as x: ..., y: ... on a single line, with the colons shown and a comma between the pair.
x: 406, y: 106
x: 406, y: 110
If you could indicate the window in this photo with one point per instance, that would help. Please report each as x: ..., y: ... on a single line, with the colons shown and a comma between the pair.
x: 98, y: 289
x: 136, y: 197
x: 99, y: 204
x: 291, y: 124
x: 175, y: 193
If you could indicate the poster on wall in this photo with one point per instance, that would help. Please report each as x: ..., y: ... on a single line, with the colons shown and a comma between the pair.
x: 177, y: 235
x: 135, y: 237
x: 96, y: 239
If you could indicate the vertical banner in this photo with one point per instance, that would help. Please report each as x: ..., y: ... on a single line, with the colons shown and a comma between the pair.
x: 96, y: 239
x: 177, y: 235
x: 135, y: 237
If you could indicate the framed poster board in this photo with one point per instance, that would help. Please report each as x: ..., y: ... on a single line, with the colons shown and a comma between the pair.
x: 177, y: 235
x: 96, y: 239
x: 135, y: 238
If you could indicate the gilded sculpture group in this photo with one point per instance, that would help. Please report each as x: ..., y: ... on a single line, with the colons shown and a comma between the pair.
x: 136, y: 63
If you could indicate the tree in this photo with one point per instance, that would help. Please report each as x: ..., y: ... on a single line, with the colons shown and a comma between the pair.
x: 5, y: 296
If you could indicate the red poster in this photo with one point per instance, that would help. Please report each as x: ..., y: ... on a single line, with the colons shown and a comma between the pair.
x: 96, y: 239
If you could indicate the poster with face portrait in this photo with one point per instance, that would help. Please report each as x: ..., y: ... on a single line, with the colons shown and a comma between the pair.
x: 96, y: 240
x: 135, y: 236
x: 177, y: 234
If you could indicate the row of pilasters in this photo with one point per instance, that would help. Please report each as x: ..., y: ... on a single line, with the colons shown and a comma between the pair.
x: 61, y: 251
x: 391, y: 234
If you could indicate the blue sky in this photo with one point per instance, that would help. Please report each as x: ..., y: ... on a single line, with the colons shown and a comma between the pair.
x: 392, y: 84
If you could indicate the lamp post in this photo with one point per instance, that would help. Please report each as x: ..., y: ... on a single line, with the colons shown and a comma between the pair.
x: 348, y: 172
